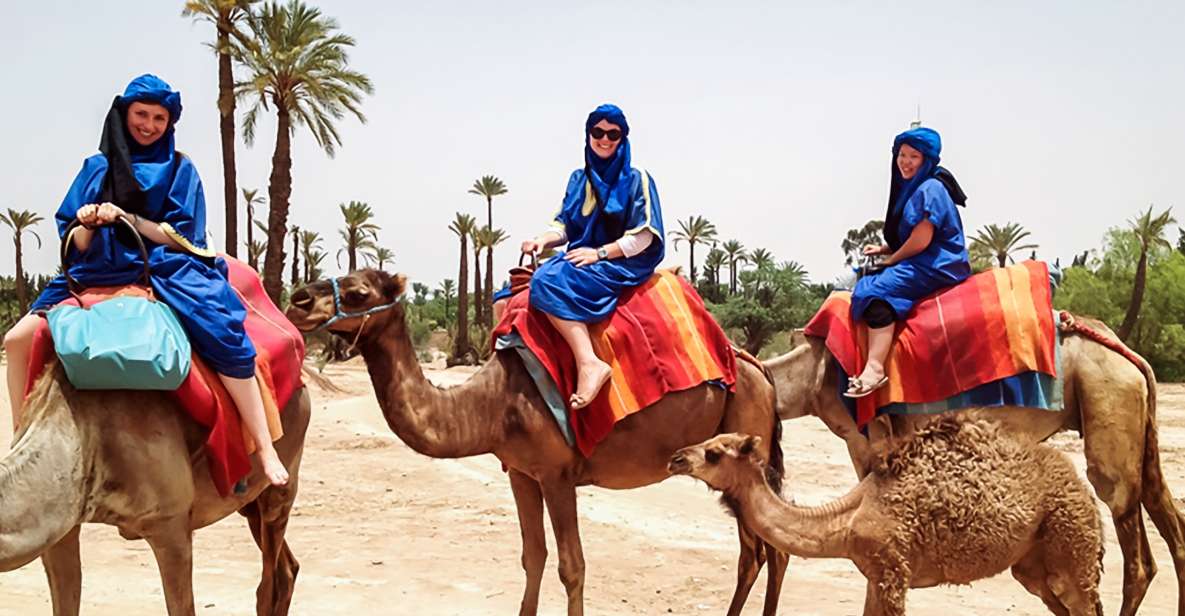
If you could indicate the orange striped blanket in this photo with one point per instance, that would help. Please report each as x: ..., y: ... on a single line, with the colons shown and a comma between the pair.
x: 660, y: 339
x: 995, y: 325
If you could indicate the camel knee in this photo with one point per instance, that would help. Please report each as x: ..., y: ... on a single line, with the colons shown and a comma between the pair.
x: 572, y: 574
x: 534, y: 559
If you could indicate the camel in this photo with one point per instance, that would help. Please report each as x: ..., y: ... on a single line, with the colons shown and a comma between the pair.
x: 499, y: 410
x: 1109, y: 400
x: 132, y: 460
x: 956, y: 502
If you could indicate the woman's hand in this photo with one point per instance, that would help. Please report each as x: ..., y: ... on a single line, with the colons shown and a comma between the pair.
x: 97, y: 214
x: 108, y: 212
x: 532, y: 246
x: 581, y: 256
x: 872, y: 250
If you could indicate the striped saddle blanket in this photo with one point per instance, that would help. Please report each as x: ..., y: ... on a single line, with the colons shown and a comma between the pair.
x: 661, y: 339
x: 988, y: 341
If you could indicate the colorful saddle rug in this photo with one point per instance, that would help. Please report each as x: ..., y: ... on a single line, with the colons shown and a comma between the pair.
x: 660, y: 340
x: 279, y: 349
x: 988, y: 341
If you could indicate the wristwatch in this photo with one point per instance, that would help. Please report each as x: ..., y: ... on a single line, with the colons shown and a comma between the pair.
x: 602, y: 253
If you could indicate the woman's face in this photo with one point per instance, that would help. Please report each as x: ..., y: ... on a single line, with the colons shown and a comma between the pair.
x: 603, y: 138
x: 909, y: 160
x: 147, y: 122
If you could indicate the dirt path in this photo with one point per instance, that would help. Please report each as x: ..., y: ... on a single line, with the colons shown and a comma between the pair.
x: 381, y: 530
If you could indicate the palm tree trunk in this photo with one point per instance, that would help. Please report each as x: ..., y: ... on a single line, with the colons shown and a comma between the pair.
x: 461, y: 340
x: 1003, y: 259
x: 295, y: 256
x: 22, y: 292
x: 253, y: 262
x: 279, y: 191
x: 1133, y: 307
x: 352, y: 251
x: 487, y: 301
x: 691, y: 245
x: 478, y: 297
x: 226, y: 126
x: 308, y: 270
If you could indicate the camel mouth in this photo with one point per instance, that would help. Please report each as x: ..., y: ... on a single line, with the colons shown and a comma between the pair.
x: 302, y: 320
x: 679, y: 465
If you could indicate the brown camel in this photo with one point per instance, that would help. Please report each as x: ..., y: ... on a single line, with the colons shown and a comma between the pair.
x: 956, y: 502
x: 499, y: 411
x: 1109, y: 400
x: 132, y: 460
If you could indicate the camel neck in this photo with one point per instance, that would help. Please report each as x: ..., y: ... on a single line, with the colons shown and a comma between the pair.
x: 809, y: 532
x: 41, y: 479
x: 457, y: 422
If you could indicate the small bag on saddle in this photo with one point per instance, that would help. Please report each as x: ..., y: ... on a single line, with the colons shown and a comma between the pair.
x: 520, y: 276
x: 125, y: 342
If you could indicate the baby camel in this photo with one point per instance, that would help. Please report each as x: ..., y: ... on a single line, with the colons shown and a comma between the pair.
x: 958, y: 501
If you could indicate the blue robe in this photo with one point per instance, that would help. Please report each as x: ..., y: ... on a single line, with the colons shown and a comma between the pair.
x: 194, y: 286
x: 942, y: 264
x: 589, y: 293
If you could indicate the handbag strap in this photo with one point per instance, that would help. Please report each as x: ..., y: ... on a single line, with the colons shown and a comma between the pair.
x: 73, y: 286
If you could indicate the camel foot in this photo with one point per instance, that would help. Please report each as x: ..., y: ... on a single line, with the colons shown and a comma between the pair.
x: 591, y: 379
x: 273, y: 468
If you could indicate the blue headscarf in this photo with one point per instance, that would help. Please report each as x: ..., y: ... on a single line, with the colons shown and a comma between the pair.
x: 929, y: 143
x: 606, y: 173
x: 134, y: 170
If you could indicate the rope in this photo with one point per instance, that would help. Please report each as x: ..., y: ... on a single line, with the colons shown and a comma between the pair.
x: 1069, y: 324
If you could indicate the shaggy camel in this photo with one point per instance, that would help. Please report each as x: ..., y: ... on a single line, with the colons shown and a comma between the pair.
x: 132, y: 460
x: 1109, y: 400
x: 956, y: 502
x: 499, y: 411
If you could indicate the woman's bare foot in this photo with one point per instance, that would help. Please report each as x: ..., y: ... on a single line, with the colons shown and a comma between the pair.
x: 589, y: 381
x: 272, y: 466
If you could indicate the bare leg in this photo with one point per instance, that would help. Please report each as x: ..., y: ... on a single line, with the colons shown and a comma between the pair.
x: 17, y: 343
x: 591, y: 371
x: 528, y: 500
x: 250, y: 403
x: 64, y: 570
x: 880, y: 341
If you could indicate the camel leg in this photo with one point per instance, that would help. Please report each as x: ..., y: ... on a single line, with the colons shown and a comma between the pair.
x: 1030, y: 572
x: 528, y: 500
x: 268, y: 518
x: 883, y: 598
x: 778, y: 563
x: 172, y: 544
x: 63, y: 567
x: 748, y: 565
x: 561, y: 507
x: 1168, y: 520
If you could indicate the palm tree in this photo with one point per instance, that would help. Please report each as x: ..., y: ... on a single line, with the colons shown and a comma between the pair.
x: 854, y: 242
x: 227, y: 16
x: 488, y: 186
x: 446, y: 291
x: 1149, y: 230
x: 310, y: 243
x: 1000, y: 242
x: 734, y: 252
x: 761, y: 259
x: 20, y: 222
x: 312, y: 264
x: 479, y: 303
x: 297, y: 62
x: 255, y: 250
x: 694, y: 230
x: 713, y: 261
x: 381, y: 256
x: 488, y: 239
x: 253, y: 198
x: 360, y: 233
x: 295, y: 256
x: 463, y: 226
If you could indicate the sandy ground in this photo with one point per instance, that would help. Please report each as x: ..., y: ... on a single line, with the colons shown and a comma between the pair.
x: 380, y: 529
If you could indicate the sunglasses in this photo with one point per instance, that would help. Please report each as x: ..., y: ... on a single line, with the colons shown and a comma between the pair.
x: 597, y: 132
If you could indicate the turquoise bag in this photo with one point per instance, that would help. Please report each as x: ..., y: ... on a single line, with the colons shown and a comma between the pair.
x: 119, y: 343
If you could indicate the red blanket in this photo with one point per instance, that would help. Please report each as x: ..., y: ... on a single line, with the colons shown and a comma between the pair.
x: 994, y: 325
x: 659, y: 340
x: 279, y: 350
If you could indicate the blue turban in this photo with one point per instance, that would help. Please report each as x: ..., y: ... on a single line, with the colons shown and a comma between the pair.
x: 929, y: 143
x: 149, y: 88
x: 606, y: 173
x: 133, y: 170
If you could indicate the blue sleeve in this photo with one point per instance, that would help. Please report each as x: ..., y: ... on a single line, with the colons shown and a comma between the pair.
x: 576, y: 184
x: 646, y: 212
x: 930, y: 202
x: 186, y: 211
x: 85, y: 190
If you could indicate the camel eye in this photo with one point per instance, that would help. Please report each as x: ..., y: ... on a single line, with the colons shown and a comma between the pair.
x: 355, y: 297
x: 712, y: 456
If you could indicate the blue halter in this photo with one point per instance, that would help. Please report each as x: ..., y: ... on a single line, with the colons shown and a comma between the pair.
x: 339, y: 314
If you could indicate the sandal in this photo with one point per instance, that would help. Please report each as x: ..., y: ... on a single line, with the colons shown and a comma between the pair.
x: 859, y: 389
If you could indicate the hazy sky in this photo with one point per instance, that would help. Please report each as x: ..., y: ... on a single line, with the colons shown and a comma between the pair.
x: 774, y: 120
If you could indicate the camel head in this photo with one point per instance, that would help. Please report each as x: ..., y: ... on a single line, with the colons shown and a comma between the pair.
x: 353, y: 306
x: 722, y: 462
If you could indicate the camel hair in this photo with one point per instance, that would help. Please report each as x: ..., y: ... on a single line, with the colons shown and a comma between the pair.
x: 1109, y: 400
x: 133, y: 460
x: 500, y: 411
x: 957, y: 501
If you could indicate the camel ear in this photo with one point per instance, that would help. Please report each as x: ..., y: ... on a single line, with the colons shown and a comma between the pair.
x: 394, y: 286
x: 751, y: 444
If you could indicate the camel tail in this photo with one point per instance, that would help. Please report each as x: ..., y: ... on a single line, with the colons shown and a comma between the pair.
x: 775, y: 469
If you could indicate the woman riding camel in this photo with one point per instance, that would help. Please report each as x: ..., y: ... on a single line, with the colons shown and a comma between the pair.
x: 611, y: 221
x: 925, y: 247
x: 139, y: 176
